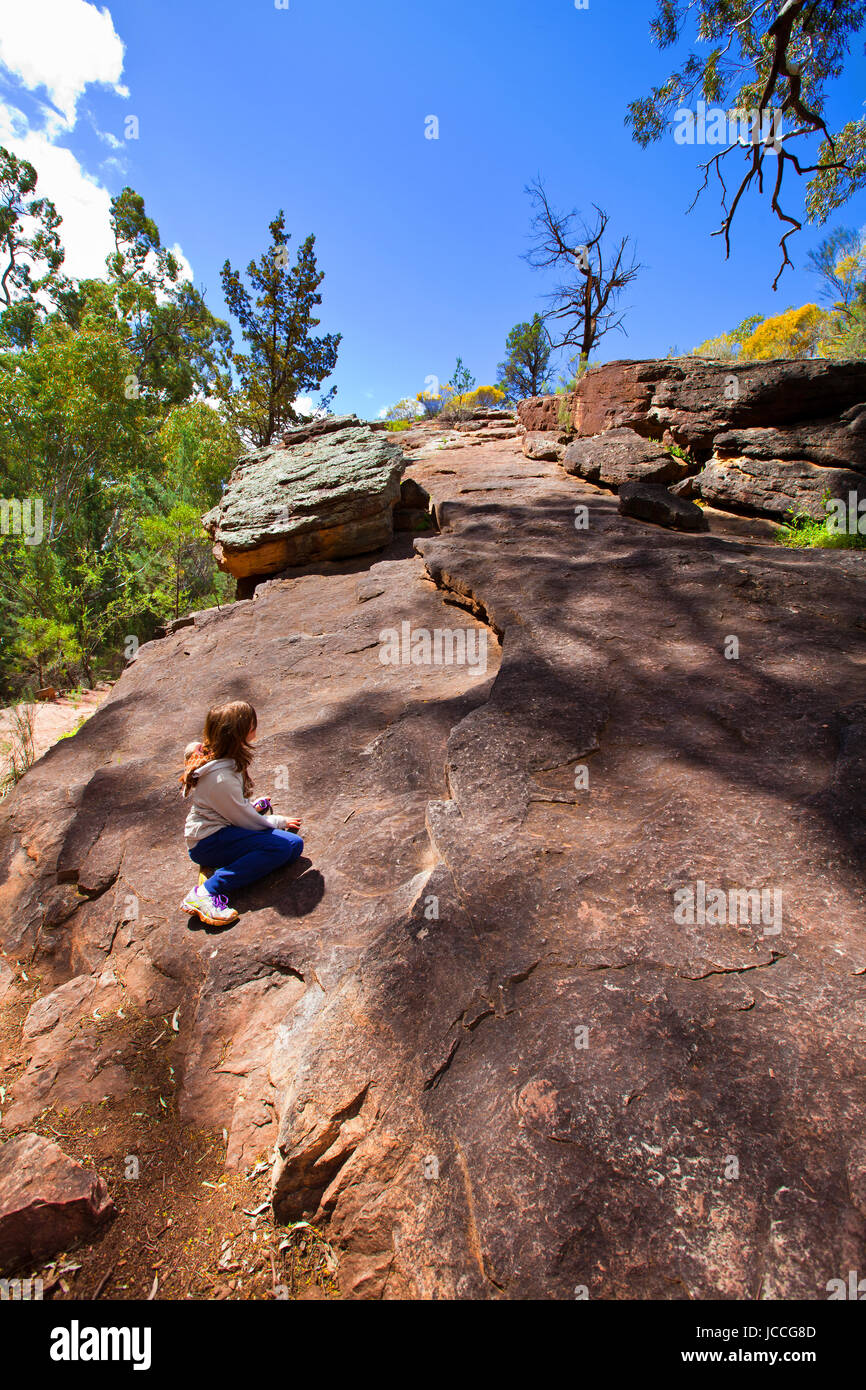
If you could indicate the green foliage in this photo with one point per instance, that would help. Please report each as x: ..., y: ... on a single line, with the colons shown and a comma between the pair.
x: 462, y: 381
x: 745, y: 57
x: 104, y: 426
x: 680, y: 453
x: 457, y: 390
x: 44, y: 648
x: 285, y: 359
x: 402, y: 414
x: 79, y: 725
x: 176, y: 346
x: 728, y: 345
x: 180, y: 569
x: 722, y: 348
x: 794, y: 333
x: 564, y: 413
x: 576, y: 367
x: 804, y: 532
x: 832, y: 187
x: 526, y: 367
x: 850, y: 339
x: 840, y: 263
x: 30, y: 251
x: 198, y: 449
x: 18, y: 752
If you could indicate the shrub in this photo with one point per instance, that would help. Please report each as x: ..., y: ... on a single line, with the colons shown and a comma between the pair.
x: 21, y: 752
x: 804, y: 532
x: 404, y: 413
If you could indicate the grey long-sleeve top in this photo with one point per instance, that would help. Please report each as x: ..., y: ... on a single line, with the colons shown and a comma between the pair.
x: 218, y: 800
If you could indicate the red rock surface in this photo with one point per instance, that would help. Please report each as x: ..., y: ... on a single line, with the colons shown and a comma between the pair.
x: 47, y: 1201
x: 622, y: 456
x: 549, y: 1082
x: 689, y: 400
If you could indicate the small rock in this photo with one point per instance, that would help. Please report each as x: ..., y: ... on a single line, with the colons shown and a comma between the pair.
x: 733, y: 524
x: 622, y: 456
x: 7, y: 979
x: 47, y: 1201
x: 547, y: 445
x: 652, y: 502
x: 413, y: 495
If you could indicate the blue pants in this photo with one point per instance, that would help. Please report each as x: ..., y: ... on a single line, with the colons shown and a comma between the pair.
x: 244, y: 855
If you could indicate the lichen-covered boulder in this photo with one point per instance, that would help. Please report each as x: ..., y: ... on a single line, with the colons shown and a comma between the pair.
x: 326, y: 491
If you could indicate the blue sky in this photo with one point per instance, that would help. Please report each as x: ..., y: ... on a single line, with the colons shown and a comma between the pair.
x: 320, y: 108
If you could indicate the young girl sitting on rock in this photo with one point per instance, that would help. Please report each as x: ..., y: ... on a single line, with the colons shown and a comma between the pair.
x: 223, y: 828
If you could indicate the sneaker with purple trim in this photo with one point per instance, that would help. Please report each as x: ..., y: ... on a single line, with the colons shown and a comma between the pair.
x: 215, y: 910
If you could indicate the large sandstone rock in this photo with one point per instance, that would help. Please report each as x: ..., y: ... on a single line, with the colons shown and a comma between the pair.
x: 692, y: 399
x: 774, y: 487
x: 621, y: 456
x: 829, y: 444
x: 776, y: 471
x: 47, y: 1201
x: 493, y: 1056
x: 326, y: 491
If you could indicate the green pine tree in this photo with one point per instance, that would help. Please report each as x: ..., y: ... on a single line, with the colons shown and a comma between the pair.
x: 284, y: 359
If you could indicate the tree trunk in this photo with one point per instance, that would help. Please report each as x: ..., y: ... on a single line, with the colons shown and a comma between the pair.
x: 586, y: 345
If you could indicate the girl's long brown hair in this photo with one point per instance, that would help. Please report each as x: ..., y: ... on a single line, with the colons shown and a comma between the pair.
x: 226, y: 730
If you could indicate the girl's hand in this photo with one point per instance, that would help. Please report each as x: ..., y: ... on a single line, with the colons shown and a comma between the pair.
x: 293, y: 825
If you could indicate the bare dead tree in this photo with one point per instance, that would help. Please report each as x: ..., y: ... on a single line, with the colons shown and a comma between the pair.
x: 584, y: 307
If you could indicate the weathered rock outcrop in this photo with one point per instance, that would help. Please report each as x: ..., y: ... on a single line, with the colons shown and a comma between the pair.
x: 47, y: 1201
x: 774, y: 487
x: 621, y: 456
x: 521, y: 1022
x: 547, y: 445
x: 540, y: 413
x: 774, y: 437
x: 327, y: 490
x: 690, y: 399
x: 777, y: 472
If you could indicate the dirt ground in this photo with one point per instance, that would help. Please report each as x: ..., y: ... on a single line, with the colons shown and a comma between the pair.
x: 184, y: 1228
x: 52, y: 720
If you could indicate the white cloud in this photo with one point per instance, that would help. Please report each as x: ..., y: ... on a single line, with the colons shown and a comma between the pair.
x: 61, y: 46
x: 56, y: 49
x: 80, y: 199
